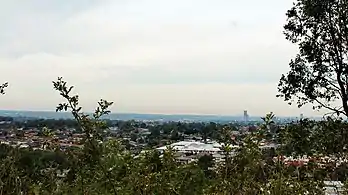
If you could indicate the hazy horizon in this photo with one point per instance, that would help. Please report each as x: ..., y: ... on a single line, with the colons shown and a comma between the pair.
x: 185, y: 56
x: 173, y: 114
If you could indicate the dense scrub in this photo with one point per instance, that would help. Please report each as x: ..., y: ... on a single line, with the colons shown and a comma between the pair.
x: 107, y: 167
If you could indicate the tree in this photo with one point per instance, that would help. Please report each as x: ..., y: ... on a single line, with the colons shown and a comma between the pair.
x: 205, y: 162
x: 208, y: 130
x: 155, y: 132
x: 319, y: 73
x: 47, y: 135
x: 269, y: 124
x: 133, y: 137
x: 174, y: 135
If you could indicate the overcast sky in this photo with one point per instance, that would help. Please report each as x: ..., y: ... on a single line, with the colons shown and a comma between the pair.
x: 149, y: 56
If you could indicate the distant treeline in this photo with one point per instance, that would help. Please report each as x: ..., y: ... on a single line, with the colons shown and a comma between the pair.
x: 6, y: 118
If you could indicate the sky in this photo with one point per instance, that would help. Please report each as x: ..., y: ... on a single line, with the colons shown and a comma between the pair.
x: 148, y: 56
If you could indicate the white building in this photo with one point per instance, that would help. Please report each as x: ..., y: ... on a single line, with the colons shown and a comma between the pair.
x: 334, y: 188
x: 193, y: 147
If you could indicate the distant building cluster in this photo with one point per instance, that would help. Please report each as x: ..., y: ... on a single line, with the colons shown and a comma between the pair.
x: 189, y: 151
x: 32, y: 138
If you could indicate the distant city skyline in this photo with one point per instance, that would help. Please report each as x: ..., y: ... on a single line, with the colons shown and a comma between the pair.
x: 152, y: 56
x: 242, y: 115
x: 139, y: 116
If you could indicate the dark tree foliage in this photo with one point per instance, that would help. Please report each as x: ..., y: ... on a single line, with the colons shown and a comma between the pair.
x: 205, y: 162
x: 319, y: 73
x: 6, y: 118
x: 309, y: 137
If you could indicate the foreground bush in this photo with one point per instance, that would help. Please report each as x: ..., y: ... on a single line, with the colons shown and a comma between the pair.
x: 107, y: 167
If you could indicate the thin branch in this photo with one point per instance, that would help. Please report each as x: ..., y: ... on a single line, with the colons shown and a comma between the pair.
x: 330, y: 108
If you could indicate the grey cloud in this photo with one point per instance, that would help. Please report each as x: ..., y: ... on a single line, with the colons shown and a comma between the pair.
x: 157, y: 74
x: 28, y: 26
x: 144, y: 46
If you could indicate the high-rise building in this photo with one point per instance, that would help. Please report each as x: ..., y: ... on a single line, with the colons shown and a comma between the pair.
x: 246, y: 116
x: 301, y: 116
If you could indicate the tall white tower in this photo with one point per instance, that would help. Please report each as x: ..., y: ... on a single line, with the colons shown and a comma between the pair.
x: 246, y: 116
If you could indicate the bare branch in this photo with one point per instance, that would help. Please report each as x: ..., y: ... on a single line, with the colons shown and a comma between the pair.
x: 336, y: 110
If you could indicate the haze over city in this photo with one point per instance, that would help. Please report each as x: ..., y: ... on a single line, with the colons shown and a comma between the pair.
x: 153, y: 56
